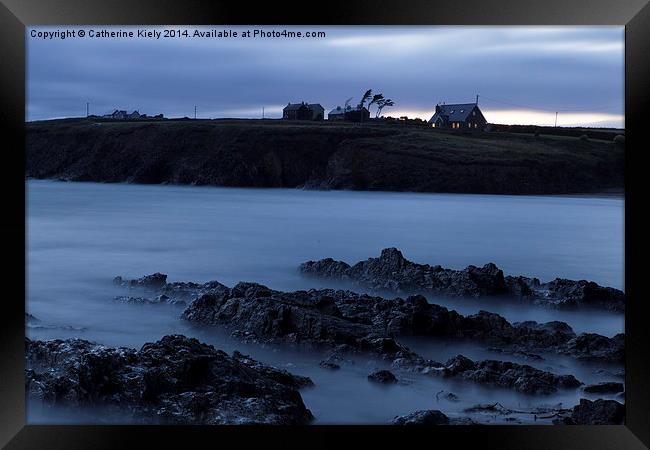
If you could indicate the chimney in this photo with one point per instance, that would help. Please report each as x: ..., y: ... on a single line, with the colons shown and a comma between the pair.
x: 437, y: 109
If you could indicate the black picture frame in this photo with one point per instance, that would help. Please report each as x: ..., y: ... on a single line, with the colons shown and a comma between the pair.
x: 15, y: 15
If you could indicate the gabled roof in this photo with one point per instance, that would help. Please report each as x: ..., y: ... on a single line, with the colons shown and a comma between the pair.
x: 295, y: 106
x: 338, y: 110
x: 316, y: 105
x: 454, y: 113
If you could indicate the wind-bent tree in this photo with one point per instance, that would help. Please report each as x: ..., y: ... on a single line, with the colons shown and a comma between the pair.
x: 382, y: 104
x: 375, y: 100
x: 365, y: 98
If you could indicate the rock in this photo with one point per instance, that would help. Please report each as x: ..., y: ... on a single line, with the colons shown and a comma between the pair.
x: 328, y: 318
x: 161, y: 299
x: 564, y: 293
x: 591, y: 346
x: 30, y: 319
x: 491, y: 408
x: 279, y: 375
x: 176, y: 380
x: 392, y: 272
x: 449, y: 396
x: 176, y: 293
x: 423, y: 417
x: 329, y: 365
x: 383, y: 377
x: 608, y: 387
x: 522, y: 378
x: 153, y: 281
x: 520, y: 353
x: 598, y: 412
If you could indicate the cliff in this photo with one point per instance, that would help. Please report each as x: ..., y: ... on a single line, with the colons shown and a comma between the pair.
x: 257, y: 153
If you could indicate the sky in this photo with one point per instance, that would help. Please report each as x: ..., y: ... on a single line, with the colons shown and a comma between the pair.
x: 523, y: 75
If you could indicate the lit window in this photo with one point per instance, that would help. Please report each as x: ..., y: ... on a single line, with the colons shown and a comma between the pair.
x: 452, y: 111
x: 462, y: 110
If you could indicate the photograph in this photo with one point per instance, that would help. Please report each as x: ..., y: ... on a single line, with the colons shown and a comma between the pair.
x: 325, y: 225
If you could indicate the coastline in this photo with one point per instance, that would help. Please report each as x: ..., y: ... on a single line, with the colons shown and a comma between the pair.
x: 314, y: 156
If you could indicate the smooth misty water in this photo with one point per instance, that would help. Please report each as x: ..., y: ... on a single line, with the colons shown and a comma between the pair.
x: 81, y: 235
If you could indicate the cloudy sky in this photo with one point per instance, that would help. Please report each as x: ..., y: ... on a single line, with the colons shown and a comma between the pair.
x: 522, y: 74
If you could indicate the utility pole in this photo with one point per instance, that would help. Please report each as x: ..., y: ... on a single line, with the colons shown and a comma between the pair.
x: 262, y: 112
x: 195, y: 111
x: 87, y: 109
x: 476, y: 99
x: 555, y: 119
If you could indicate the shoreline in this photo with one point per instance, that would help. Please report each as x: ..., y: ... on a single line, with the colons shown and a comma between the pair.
x: 616, y: 194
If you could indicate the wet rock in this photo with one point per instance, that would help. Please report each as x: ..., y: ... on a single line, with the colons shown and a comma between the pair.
x: 491, y: 408
x: 176, y: 380
x: 522, y: 378
x: 272, y: 373
x: 383, y: 377
x: 30, y: 319
x: 519, y: 353
x: 328, y: 318
x: 423, y: 417
x: 329, y: 365
x: 153, y: 281
x: 607, y: 387
x: 598, y: 412
x: 591, y: 346
x: 161, y: 299
x: 569, y: 294
x: 449, y: 396
x: 392, y: 272
x: 159, y: 291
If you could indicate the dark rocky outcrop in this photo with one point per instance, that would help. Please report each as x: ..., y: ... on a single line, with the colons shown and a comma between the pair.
x: 176, y: 380
x: 594, y: 347
x: 522, y: 378
x: 327, y: 318
x: 156, y: 290
x: 392, y: 272
x: 348, y: 323
x: 153, y: 281
x: 607, y: 387
x: 382, y: 377
x: 598, y: 412
x: 423, y: 417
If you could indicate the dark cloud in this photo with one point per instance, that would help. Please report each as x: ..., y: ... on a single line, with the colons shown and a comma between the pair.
x: 528, y: 69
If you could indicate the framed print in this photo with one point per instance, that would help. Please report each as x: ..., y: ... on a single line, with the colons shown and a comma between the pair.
x: 283, y: 224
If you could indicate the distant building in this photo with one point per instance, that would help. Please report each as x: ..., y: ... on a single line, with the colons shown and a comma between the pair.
x: 117, y: 114
x: 303, y: 111
x: 337, y: 113
x: 357, y: 114
x: 318, y: 112
x: 120, y: 114
x: 457, y: 116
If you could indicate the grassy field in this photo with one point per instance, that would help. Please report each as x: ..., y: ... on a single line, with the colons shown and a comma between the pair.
x: 274, y: 153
